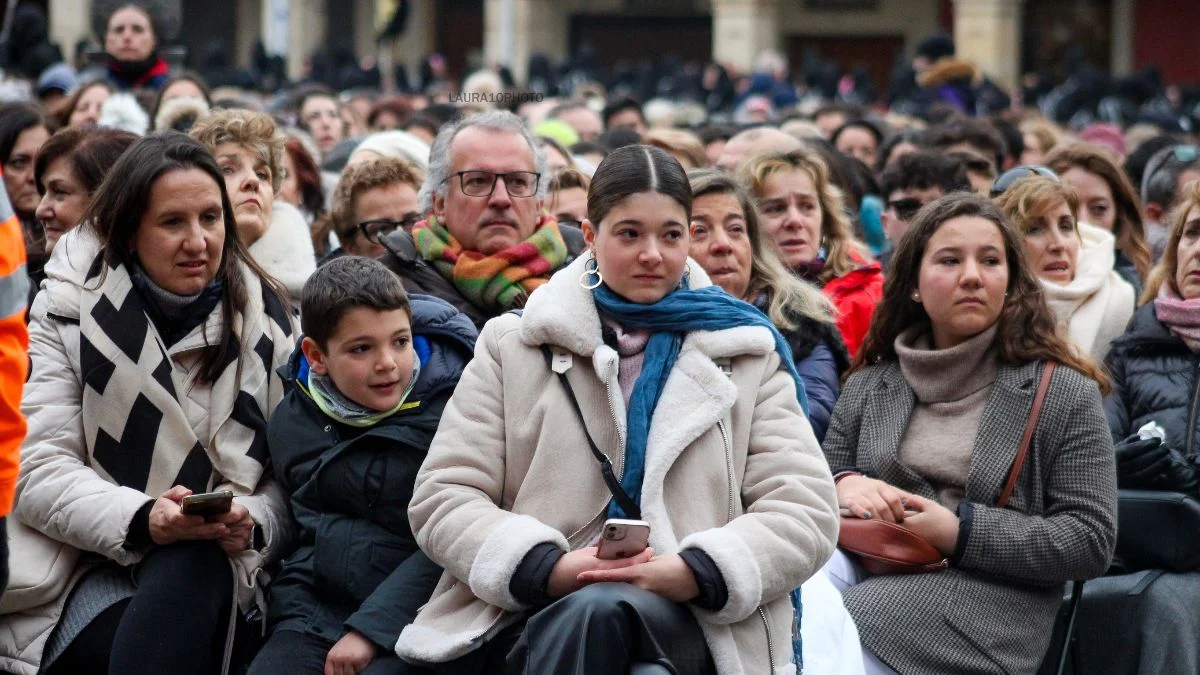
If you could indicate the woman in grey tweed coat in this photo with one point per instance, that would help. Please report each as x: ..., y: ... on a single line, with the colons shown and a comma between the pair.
x: 926, y: 431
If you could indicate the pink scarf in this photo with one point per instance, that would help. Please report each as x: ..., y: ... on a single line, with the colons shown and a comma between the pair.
x: 1181, y: 317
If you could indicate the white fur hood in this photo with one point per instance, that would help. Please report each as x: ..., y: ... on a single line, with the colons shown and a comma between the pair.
x: 285, y: 251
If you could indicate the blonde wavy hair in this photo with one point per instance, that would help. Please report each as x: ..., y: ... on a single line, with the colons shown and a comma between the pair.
x: 363, y: 176
x: 1030, y: 198
x: 789, y: 296
x: 1164, y: 272
x: 253, y: 130
x: 843, y: 253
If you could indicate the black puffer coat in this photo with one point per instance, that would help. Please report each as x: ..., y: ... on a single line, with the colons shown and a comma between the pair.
x: 1154, y: 379
x: 357, y: 564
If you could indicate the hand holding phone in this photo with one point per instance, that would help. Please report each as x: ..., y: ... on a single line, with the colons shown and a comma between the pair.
x: 621, y: 538
x: 207, y: 504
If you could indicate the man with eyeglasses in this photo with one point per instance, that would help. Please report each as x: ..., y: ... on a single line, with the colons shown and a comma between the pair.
x: 1167, y: 172
x: 913, y: 181
x: 486, y: 243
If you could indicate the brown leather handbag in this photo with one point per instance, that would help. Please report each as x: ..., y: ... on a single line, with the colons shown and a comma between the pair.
x: 890, y: 548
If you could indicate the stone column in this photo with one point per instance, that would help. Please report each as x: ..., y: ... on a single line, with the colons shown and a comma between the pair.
x: 248, y: 29
x: 742, y: 29
x: 530, y: 26
x: 1122, y: 37
x: 988, y: 34
x: 418, y: 37
x: 305, y: 30
x: 70, y: 22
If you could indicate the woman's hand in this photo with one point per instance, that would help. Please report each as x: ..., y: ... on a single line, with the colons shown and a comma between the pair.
x: 667, y: 576
x: 168, y: 524
x: 869, y: 498
x: 351, y: 655
x: 935, y: 523
x: 239, y: 526
x: 566, y: 576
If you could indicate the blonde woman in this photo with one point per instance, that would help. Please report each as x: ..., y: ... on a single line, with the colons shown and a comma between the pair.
x: 250, y: 150
x: 802, y: 212
x: 729, y: 243
x: 1072, y: 260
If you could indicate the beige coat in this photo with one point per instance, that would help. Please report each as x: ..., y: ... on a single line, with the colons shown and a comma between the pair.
x: 732, y: 468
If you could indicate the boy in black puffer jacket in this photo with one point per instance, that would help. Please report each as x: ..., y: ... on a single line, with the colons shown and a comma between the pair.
x: 366, y: 389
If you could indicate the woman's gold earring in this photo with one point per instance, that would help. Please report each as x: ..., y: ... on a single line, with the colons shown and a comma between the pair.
x: 591, y: 268
x: 916, y: 296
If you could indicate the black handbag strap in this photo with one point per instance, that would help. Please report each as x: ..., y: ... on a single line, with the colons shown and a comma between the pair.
x: 632, y: 510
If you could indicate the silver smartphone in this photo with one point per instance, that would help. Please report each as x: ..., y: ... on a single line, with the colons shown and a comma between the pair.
x: 623, y: 538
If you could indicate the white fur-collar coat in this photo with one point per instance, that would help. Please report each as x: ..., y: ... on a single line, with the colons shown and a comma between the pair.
x: 732, y: 468
x: 285, y: 250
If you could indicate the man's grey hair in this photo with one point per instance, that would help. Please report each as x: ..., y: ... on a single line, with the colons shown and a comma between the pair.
x: 438, y: 178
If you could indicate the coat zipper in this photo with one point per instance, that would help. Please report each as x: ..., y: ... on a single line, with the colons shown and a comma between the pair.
x: 619, y: 467
x: 762, y: 614
x: 728, y: 465
x: 1192, y: 414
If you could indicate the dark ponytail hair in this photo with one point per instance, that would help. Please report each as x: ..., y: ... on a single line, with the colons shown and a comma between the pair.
x: 632, y: 170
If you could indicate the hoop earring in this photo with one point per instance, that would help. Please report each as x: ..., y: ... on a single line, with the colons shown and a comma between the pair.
x: 591, y: 268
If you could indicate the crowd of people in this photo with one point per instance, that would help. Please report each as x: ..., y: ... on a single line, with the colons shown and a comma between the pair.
x: 433, y: 349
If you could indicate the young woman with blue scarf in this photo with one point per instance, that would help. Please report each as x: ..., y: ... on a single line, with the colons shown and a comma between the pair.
x: 629, y: 352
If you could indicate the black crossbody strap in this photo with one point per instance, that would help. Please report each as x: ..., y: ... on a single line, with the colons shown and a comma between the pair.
x: 606, y: 469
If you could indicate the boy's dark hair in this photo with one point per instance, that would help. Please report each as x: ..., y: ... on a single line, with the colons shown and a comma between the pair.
x: 343, y: 284
x: 923, y: 170
x: 975, y: 132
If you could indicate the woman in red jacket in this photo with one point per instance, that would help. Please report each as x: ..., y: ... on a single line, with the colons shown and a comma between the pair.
x: 803, y: 212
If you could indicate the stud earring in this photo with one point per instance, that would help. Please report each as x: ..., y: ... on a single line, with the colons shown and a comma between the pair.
x: 591, y: 268
x: 916, y: 296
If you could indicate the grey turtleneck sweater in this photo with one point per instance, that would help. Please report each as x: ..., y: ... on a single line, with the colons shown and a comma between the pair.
x: 951, y: 387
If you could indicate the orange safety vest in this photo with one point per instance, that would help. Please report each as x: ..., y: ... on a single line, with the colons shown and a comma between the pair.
x: 14, y: 349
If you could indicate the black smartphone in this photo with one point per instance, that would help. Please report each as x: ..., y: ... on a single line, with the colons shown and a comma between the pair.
x: 207, y: 504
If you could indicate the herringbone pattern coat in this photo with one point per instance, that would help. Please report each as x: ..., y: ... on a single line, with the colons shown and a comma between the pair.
x: 993, y: 610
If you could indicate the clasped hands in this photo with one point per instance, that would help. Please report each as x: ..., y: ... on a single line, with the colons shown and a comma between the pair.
x: 870, y: 498
x: 1148, y: 464
x: 168, y: 524
x: 667, y: 576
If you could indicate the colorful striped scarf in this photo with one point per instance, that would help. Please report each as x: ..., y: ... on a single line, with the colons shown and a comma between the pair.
x: 500, y: 281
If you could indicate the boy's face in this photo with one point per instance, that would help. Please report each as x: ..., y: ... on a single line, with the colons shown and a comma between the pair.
x: 369, y: 356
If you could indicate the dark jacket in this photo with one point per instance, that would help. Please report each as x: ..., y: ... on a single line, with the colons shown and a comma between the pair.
x: 821, y: 360
x: 357, y: 564
x: 1154, y: 379
x: 993, y: 610
x: 419, y: 276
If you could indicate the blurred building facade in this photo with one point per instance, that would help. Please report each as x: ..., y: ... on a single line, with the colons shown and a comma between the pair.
x: 1004, y: 37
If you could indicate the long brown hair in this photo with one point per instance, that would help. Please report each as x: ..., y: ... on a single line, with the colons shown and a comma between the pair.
x: 1164, y: 272
x: 1128, y: 229
x: 122, y: 199
x: 1027, y: 328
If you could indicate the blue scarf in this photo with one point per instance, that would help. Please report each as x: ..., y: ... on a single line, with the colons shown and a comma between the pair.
x: 669, y: 319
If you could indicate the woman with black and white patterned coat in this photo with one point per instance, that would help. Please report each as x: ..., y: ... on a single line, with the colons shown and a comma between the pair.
x: 154, y: 347
x: 926, y: 432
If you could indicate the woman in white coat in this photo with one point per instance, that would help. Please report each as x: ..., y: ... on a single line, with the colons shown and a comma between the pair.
x: 154, y: 346
x: 1072, y: 260
x: 692, y: 395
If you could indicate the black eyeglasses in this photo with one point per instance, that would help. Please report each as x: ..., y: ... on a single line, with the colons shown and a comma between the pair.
x: 483, y: 183
x: 906, y: 208
x: 374, y: 230
x: 1012, y: 176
